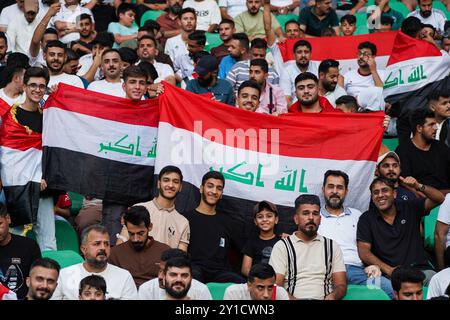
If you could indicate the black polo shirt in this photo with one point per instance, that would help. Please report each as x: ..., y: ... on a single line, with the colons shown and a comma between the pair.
x: 314, y: 26
x: 400, y: 243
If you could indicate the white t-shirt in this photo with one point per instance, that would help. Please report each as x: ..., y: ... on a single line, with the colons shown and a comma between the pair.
x: 119, y: 283
x: 67, y: 15
x: 111, y: 88
x: 150, y: 290
x: 290, y: 72
x: 240, y: 292
x: 234, y: 7
x: 164, y: 70
x: 436, y: 19
x: 438, y: 284
x: 354, y: 82
x: 444, y: 215
x: 332, y: 96
x: 9, y: 14
x: 20, y: 33
x: 19, y: 100
x: 86, y: 62
x: 281, y: 3
x: 37, y: 61
x: 70, y: 79
x: 207, y: 12
x: 175, y: 46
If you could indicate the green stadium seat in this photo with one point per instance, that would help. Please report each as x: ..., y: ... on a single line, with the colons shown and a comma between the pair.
x: 391, y: 143
x: 66, y: 236
x: 218, y: 289
x: 425, y: 292
x: 65, y: 258
x: 77, y: 203
x: 439, y: 5
x: 360, y: 292
x: 429, y: 225
x: 400, y: 7
x: 283, y: 18
x: 212, y: 40
x: 151, y: 15
x: 361, y: 23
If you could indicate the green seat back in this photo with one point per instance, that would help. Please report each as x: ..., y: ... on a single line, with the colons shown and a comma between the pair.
x: 283, y: 18
x: 218, y: 289
x: 425, y: 292
x: 212, y: 40
x: 151, y: 15
x: 439, y: 5
x: 66, y: 236
x: 65, y: 258
x: 77, y: 203
x: 429, y: 226
x: 361, y: 23
x: 391, y: 143
x: 400, y: 7
x: 360, y: 292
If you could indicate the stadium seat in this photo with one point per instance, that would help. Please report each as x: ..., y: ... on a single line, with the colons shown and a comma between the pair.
x: 429, y: 226
x: 77, y: 203
x: 65, y: 258
x: 360, y: 292
x: 439, y: 5
x: 212, y: 40
x: 391, y: 143
x: 283, y: 18
x: 218, y: 289
x: 66, y: 236
x: 425, y: 292
x: 151, y: 15
x: 400, y: 7
x: 361, y: 23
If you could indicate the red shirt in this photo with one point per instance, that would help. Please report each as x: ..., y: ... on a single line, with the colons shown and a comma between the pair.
x: 323, y: 102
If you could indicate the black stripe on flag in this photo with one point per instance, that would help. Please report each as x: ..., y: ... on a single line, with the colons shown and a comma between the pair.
x: 22, y: 203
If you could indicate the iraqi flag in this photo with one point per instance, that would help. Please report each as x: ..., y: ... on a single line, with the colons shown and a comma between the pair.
x: 264, y: 157
x: 100, y: 145
x: 21, y: 166
x: 343, y: 49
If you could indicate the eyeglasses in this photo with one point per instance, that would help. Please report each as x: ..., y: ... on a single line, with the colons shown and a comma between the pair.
x: 35, y: 86
x: 361, y: 53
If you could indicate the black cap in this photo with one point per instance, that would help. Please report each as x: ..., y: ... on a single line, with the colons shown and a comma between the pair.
x: 206, y: 64
x: 260, y: 206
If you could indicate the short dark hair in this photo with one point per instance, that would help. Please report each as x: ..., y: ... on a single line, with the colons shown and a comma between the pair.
x: 104, y: 39
x: 148, y: 37
x: 336, y: 173
x: 368, y: 45
x: 306, y: 76
x: 46, y: 263
x: 128, y: 55
x: 36, y: 72
x: 325, y: 65
x: 328, y: 32
x: 174, y: 253
x: 10, y: 71
x: 350, y: 18
x: 302, y: 43
x: 258, y: 43
x: 418, y: 118
x: 86, y: 16
x: 151, y: 25
x: 50, y: 31
x: 213, y: 175
x: 18, y: 59
x: 261, y: 271
x: 198, y: 36
x: 188, y: 10
x: 3, y: 36
x: 403, y: 274
x: 55, y: 43
x: 150, y: 69
x: 435, y: 95
x: 178, y: 262
x: 349, y: 101
x: 260, y: 63
x: 306, y: 199
x: 109, y: 51
x: 71, y: 55
x: 124, y: 7
x: 134, y: 71
x: 242, y: 37
x: 137, y: 215
x: 387, y: 182
x: 93, y: 281
x: 170, y: 169
x: 3, y: 210
x: 227, y: 21
x: 291, y: 21
x: 411, y: 26
x: 385, y: 19
x: 249, y: 84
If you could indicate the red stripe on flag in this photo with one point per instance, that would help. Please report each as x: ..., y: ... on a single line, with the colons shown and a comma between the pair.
x: 104, y: 106
x: 340, y: 48
x: 407, y: 48
x: 338, y: 136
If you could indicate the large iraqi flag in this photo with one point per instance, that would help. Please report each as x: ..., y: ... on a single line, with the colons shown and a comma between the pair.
x: 21, y: 166
x: 264, y: 157
x: 99, y: 145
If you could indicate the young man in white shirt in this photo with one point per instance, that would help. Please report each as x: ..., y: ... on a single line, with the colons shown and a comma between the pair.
x: 177, y: 45
x: 111, y: 67
x: 13, y: 92
x: 428, y: 15
x: 208, y: 14
x: 67, y: 20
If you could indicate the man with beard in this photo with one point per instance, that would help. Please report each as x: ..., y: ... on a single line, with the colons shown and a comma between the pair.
x: 213, y: 233
x: 95, y: 248
x: 313, y: 19
x: 307, y: 93
x: 141, y: 253
x: 9, y: 13
x: 55, y: 56
x: 177, y: 45
x: 111, y: 68
x: 169, y: 22
x: 226, y: 31
x: 208, y: 14
x: 252, y: 22
x: 367, y: 75
x: 339, y: 222
x: 238, y: 50
x: 328, y: 79
x: 308, y: 265
x: 389, y: 235
x: 87, y: 35
x: 207, y: 81
x: 184, y: 64
x: 3, y: 48
x: 169, y: 226
x: 66, y: 20
x: 43, y: 279
x: 177, y: 278
x: 428, y: 15
x: 248, y: 96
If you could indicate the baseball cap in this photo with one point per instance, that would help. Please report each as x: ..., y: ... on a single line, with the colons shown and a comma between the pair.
x: 260, y: 206
x: 390, y: 154
x: 206, y: 64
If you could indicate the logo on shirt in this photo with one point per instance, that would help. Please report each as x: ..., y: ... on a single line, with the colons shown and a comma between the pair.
x: 403, y: 221
x: 171, y: 231
x: 222, y: 242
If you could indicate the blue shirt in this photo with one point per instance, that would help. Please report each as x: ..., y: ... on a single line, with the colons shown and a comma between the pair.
x: 117, y: 28
x: 222, y: 90
x: 225, y: 66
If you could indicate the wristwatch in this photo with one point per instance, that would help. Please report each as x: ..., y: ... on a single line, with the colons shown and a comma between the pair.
x: 421, y: 188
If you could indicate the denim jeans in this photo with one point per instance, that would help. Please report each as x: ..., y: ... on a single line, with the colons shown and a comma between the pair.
x: 356, y: 275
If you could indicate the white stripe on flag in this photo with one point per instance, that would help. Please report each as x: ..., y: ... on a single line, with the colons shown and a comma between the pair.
x: 102, y: 138
x: 16, y: 167
x: 346, y: 65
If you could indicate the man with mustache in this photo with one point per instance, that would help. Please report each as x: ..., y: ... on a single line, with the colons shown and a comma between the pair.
x: 313, y: 19
x: 428, y: 15
x: 111, y: 68
x: 248, y: 96
x: 43, y: 279
x: 177, y: 278
x: 177, y: 45
x: 169, y: 22
x: 141, y: 253
x: 87, y: 35
x: 328, y: 81
x: 308, y: 265
x: 338, y: 222
x: 95, y: 248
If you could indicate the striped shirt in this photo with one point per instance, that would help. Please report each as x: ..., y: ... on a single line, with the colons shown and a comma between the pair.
x: 240, y: 72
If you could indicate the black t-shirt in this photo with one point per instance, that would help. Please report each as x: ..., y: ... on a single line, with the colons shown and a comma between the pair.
x: 430, y: 167
x: 31, y: 119
x: 400, y: 243
x: 211, y: 237
x: 15, y: 261
x: 259, y: 250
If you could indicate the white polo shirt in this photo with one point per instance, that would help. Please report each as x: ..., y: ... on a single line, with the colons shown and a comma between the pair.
x: 436, y: 19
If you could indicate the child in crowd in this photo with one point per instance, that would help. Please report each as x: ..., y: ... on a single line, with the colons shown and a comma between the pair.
x: 348, y: 25
x: 125, y: 31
